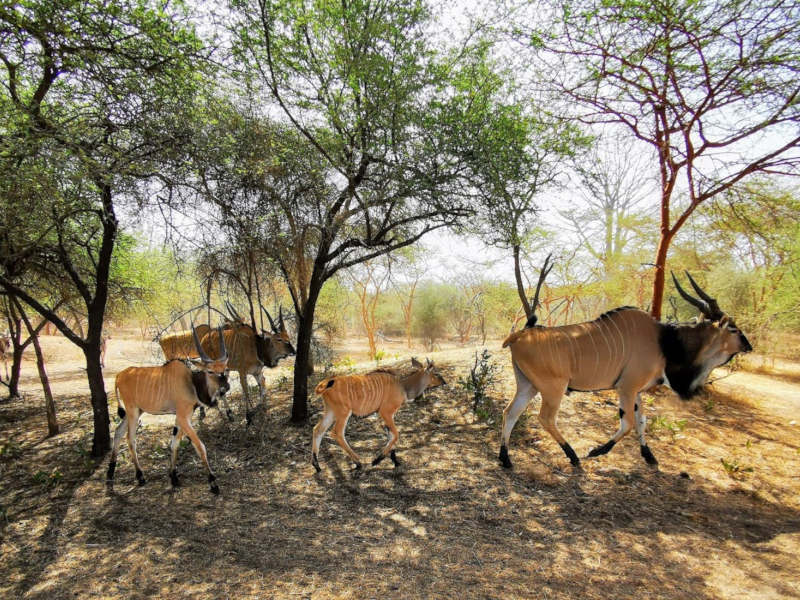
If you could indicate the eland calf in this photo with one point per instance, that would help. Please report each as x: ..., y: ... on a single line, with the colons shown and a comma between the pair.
x: 381, y: 391
x: 625, y: 349
x: 172, y: 388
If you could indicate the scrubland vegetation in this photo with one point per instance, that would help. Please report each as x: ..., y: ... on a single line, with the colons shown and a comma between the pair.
x: 329, y: 161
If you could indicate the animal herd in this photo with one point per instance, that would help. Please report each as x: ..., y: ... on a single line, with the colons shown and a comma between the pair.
x: 624, y: 349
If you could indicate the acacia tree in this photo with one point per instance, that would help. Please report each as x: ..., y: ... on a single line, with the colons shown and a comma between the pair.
x: 382, y: 117
x: 524, y: 152
x: 369, y: 280
x: 711, y: 85
x: 608, y: 217
x: 91, y: 100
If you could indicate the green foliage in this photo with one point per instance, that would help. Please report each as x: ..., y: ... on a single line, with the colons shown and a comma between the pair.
x: 10, y: 449
x: 662, y: 423
x: 345, y: 364
x: 482, y: 378
x: 50, y: 479
x: 430, y: 315
x: 734, y: 467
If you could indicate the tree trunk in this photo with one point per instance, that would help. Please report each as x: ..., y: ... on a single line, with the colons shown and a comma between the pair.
x: 101, y: 442
x: 49, y: 403
x: 301, y: 362
x: 660, y: 268
x: 16, y: 366
x: 520, y: 285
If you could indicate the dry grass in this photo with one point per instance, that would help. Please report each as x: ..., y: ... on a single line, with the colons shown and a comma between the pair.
x: 450, y: 523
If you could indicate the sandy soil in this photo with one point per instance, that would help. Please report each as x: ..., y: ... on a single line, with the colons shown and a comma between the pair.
x: 719, y: 518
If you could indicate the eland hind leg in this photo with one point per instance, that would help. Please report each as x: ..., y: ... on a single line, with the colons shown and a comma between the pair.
x: 133, y: 423
x: 393, y: 436
x: 525, y: 392
x: 551, y: 402
x: 328, y: 417
x: 338, y: 431
x: 118, y: 435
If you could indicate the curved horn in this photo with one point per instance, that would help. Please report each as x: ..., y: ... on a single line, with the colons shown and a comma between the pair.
x: 223, y: 351
x: 280, y: 319
x: 716, y: 312
x: 271, y: 322
x: 234, y: 315
x: 201, y: 353
x: 699, y: 304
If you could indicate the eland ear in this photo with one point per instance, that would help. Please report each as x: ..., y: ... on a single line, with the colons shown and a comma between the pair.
x: 723, y: 322
x: 415, y: 363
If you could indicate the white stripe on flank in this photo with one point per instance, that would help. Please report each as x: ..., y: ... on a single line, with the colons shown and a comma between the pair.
x: 621, y: 338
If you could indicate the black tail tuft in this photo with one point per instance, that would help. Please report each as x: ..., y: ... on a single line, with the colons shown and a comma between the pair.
x: 531, y: 322
x: 121, y: 412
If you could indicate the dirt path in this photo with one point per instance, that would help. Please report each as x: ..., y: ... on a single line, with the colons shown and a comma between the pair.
x: 773, y: 395
x: 719, y: 518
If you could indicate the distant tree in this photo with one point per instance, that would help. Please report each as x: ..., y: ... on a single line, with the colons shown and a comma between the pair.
x: 607, y: 215
x: 369, y: 281
x: 711, y: 85
x: 430, y: 316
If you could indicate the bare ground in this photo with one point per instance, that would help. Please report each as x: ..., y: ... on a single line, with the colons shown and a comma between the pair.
x: 719, y: 518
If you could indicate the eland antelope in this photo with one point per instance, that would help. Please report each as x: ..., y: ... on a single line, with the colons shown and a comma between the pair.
x: 624, y: 349
x: 181, y: 345
x: 172, y: 388
x: 250, y: 352
x: 380, y: 391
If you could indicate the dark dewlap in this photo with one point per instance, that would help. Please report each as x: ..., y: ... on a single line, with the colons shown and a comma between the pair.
x: 199, y: 382
x: 680, y: 356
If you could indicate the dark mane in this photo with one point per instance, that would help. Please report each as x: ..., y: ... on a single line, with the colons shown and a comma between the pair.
x: 384, y: 370
x: 608, y: 313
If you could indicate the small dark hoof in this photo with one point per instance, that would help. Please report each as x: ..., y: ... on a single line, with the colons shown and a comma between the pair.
x: 215, y: 489
x: 315, y: 462
x: 248, y: 418
x: 140, y: 478
x: 602, y: 449
x: 229, y: 412
x: 648, y: 456
x: 394, y: 458
x: 202, y: 413
x: 173, y: 477
x: 377, y: 459
x: 685, y: 475
x: 112, y: 466
x: 573, y: 458
x: 504, y: 460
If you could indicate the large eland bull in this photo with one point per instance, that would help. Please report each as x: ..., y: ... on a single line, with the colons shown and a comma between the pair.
x: 624, y: 349
x: 250, y: 351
